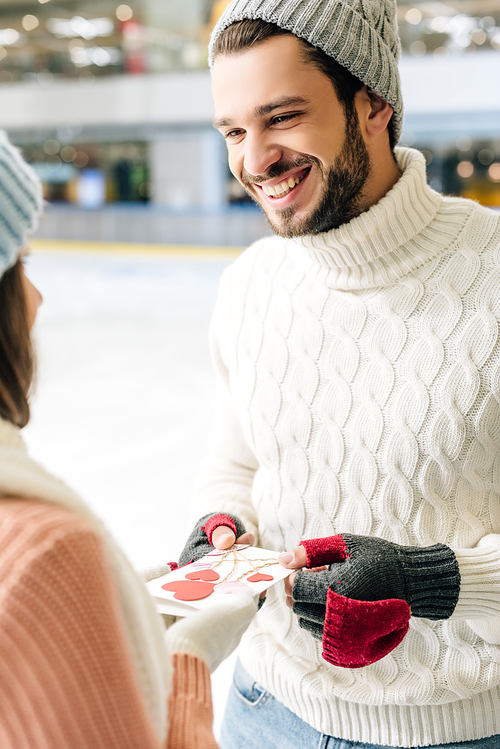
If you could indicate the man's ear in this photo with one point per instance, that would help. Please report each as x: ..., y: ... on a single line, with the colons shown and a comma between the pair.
x: 379, y: 115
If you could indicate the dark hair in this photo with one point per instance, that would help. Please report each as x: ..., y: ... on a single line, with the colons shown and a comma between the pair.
x: 241, y: 35
x: 16, y: 351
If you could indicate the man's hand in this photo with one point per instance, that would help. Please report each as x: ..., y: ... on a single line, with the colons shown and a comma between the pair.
x: 219, y: 530
x: 296, y: 559
x: 359, y: 606
x: 223, y: 537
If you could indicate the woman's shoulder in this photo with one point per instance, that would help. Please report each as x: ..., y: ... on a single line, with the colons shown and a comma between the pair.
x: 31, y: 529
x: 36, y: 519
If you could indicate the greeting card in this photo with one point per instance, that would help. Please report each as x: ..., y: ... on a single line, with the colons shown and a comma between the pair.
x: 192, y: 587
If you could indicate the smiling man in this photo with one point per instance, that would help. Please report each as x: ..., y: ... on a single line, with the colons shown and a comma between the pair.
x: 357, y: 420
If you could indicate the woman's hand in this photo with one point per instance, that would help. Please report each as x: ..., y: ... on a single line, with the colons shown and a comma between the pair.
x: 213, y: 633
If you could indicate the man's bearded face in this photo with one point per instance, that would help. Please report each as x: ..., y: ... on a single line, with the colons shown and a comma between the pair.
x: 296, y: 149
x: 341, y: 197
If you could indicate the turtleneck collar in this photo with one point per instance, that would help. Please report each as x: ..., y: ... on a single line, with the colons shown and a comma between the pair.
x: 390, y: 240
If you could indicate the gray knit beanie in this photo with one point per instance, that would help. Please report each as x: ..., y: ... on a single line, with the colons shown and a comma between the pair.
x: 21, y: 202
x: 361, y: 35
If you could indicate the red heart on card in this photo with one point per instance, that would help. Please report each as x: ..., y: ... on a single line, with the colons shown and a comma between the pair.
x: 258, y: 577
x: 209, y: 576
x: 189, y: 590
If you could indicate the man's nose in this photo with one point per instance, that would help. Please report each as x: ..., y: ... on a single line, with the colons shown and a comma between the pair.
x: 260, y: 154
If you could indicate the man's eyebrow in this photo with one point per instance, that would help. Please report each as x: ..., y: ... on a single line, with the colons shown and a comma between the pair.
x: 285, y: 101
x: 261, y: 111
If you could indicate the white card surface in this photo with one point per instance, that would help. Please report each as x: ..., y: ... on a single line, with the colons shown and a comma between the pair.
x: 233, y: 568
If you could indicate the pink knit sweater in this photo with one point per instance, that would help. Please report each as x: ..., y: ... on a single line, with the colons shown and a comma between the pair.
x: 66, y: 674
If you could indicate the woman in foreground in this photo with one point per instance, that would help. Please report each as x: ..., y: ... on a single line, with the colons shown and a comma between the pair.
x: 84, y: 659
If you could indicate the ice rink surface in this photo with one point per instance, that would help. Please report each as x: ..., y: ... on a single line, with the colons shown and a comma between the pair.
x: 124, y: 396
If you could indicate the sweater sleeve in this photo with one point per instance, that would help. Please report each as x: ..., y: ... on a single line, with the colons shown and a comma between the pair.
x: 190, y: 705
x: 224, y: 482
x: 66, y: 675
x: 479, y: 599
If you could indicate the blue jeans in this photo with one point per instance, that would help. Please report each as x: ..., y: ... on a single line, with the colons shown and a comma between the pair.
x: 254, y: 719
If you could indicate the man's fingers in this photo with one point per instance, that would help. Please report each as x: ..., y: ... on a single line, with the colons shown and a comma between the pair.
x: 223, y: 537
x: 289, y: 586
x: 294, y: 559
x: 246, y: 538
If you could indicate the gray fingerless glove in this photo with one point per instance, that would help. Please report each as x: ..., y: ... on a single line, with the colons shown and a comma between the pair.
x: 371, y: 569
x: 199, y: 542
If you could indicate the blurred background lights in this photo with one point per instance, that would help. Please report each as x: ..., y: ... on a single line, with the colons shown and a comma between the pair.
x: 413, y: 16
x: 53, y: 163
x: 485, y: 156
x: 30, y: 22
x: 76, y: 43
x: 124, y: 13
x: 100, y: 56
x: 465, y: 169
x: 464, y: 143
x: 52, y: 146
x: 81, y: 159
x: 439, y: 24
x: 9, y: 36
x: 418, y: 48
x: 79, y: 26
x: 68, y: 153
x: 427, y: 156
x: 494, y: 172
x: 479, y: 36
x: 487, y: 22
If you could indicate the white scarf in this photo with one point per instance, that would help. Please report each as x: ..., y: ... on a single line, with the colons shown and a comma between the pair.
x: 22, y: 477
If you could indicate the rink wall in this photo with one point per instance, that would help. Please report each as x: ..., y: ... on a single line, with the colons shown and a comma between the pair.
x: 234, y: 227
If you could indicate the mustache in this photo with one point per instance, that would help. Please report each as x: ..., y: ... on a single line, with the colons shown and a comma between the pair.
x: 277, y: 169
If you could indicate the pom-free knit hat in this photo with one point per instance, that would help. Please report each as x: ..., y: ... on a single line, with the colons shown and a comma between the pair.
x: 21, y: 202
x: 361, y: 35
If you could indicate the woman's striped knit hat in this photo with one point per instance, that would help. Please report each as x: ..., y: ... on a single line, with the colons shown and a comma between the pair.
x: 361, y: 35
x: 21, y: 202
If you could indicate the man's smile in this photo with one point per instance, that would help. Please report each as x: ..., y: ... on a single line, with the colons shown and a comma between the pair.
x: 275, y: 191
x: 283, y: 184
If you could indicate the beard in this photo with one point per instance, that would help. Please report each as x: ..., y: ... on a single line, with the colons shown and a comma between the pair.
x: 344, y: 180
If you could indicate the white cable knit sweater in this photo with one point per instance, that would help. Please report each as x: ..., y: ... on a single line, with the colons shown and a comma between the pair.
x: 359, y: 392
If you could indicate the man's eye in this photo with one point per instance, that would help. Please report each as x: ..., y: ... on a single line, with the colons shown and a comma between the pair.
x: 232, y: 134
x: 281, y: 118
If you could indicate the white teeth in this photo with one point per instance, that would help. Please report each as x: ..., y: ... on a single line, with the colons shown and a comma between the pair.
x: 279, y: 191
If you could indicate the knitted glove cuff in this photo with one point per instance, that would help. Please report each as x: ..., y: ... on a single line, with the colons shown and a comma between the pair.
x: 215, y: 521
x: 320, y: 551
x: 432, y: 580
x: 358, y: 633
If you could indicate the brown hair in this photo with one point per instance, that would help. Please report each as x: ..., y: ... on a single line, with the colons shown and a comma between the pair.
x: 241, y: 35
x: 16, y: 351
